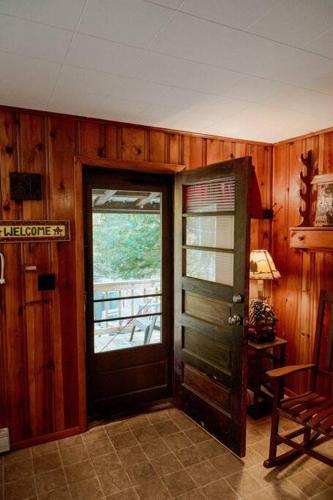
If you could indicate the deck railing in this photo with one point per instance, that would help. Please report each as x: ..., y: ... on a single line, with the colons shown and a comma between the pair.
x: 118, y: 299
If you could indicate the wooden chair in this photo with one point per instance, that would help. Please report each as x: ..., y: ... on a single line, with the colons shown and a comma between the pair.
x: 313, y: 411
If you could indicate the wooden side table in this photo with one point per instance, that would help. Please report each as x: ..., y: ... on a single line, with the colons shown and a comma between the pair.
x: 262, y: 357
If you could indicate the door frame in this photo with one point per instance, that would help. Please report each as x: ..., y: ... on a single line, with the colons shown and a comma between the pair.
x: 80, y: 163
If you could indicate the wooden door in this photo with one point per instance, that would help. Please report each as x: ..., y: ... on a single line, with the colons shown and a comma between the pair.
x: 129, y: 290
x: 211, y: 296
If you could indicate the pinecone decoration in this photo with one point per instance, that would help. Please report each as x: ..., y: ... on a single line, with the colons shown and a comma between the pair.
x: 261, y: 321
x: 261, y: 313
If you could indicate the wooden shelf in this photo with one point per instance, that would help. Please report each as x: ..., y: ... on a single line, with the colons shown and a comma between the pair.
x: 312, y: 238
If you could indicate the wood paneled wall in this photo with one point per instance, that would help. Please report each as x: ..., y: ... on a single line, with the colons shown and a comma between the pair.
x: 296, y: 294
x: 39, y: 373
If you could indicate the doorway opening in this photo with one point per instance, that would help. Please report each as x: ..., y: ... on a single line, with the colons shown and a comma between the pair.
x: 129, y: 285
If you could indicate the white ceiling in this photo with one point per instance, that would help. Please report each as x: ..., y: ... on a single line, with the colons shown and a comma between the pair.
x: 254, y: 69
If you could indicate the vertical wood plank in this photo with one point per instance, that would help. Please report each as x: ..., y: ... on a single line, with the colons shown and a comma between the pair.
x: 157, y: 146
x: 132, y: 143
x: 12, y: 300
x: 92, y: 139
x: 61, y: 160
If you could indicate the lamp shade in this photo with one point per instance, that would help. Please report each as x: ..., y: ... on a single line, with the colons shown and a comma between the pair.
x: 262, y: 266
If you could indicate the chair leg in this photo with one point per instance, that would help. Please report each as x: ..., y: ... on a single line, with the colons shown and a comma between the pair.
x: 271, y: 462
x: 132, y: 333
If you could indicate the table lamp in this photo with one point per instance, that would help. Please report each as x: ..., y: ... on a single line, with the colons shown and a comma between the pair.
x: 262, y: 268
x: 262, y: 319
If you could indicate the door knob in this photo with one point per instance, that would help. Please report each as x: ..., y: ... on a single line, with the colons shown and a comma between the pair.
x: 237, y: 299
x: 235, y: 320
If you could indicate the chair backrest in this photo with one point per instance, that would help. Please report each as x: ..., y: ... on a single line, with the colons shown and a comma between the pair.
x: 323, y: 348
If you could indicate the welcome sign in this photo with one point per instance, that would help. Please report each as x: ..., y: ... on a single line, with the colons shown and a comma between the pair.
x: 33, y: 231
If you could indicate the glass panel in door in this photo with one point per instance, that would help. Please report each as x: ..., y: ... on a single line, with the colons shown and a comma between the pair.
x: 127, y: 263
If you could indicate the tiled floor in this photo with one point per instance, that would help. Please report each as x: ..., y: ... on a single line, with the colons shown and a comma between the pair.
x: 155, y: 457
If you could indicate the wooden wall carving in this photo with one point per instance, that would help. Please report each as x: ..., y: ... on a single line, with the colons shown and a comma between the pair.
x: 40, y: 381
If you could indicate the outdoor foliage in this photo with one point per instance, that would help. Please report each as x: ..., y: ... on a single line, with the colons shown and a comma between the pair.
x: 126, y: 246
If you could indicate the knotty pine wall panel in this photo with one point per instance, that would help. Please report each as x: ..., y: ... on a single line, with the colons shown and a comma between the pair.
x: 39, y: 371
x: 296, y: 294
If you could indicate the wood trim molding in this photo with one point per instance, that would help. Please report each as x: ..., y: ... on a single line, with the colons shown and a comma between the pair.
x: 309, y: 135
x: 135, y: 165
x: 45, y: 438
x: 81, y: 162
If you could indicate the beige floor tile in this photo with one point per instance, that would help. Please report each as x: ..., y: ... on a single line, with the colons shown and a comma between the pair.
x: 307, y: 482
x: 140, y: 473
x: 146, y: 433
x: 152, y: 490
x: 158, y: 416
x: 160, y: 455
x: 114, y: 481
x: 178, y: 441
x: 138, y: 422
x: 243, y: 483
x: 106, y: 463
x: 124, y: 440
x: 95, y: 433
x: 276, y: 491
x: 324, y: 495
x: 252, y: 457
x: 58, y: 494
x: 117, y: 427
x: 212, y: 448
x: 88, y: 489
x: 265, y: 476
x: 261, y: 447
x: 132, y: 456
x: 21, y: 489
x: 203, y: 473
x: 178, y: 483
x: 227, y: 464
x: 99, y: 446
x: 166, y: 464
x: 190, y: 456
x: 197, y: 435
x: 17, y: 456
x: 129, y: 494
x: 183, y: 422
x: 18, y: 470
x: 324, y: 472
x: 44, y: 463
x: 166, y: 427
x: 79, y: 471
x: 70, y: 441
x: 173, y: 412
x: 219, y: 490
x: 49, y: 481
x: 73, y: 454
x: 196, y: 494
x: 156, y: 447
x: 45, y: 449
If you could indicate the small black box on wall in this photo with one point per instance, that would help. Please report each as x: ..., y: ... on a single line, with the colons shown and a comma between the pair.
x: 25, y: 186
x: 46, y: 282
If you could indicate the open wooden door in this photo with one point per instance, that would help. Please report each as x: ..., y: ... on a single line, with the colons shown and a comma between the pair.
x: 211, y: 297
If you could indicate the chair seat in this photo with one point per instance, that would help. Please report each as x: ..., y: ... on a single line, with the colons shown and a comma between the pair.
x: 310, y: 409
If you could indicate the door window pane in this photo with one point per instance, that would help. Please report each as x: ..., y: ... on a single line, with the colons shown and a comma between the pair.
x: 210, y: 231
x: 210, y: 196
x: 210, y: 266
x: 127, y: 256
x: 130, y: 332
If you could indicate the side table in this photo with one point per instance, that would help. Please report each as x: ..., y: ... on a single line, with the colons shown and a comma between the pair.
x: 262, y: 357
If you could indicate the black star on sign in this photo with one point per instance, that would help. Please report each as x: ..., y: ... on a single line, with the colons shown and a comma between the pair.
x: 57, y: 230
